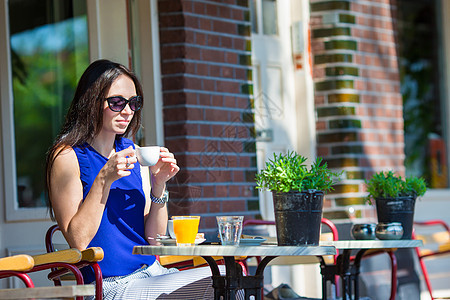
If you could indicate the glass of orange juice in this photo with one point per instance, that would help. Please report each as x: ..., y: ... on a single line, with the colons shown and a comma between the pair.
x: 185, y: 229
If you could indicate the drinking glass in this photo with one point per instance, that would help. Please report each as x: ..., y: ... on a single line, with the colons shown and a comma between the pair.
x: 230, y: 229
x: 185, y: 229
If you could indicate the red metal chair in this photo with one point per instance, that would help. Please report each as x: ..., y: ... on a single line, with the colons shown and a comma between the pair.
x: 21, y: 265
x: 65, y: 260
x: 436, y: 244
x: 89, y: 257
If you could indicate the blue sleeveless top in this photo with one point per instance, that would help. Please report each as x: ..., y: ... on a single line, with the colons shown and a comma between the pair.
x: 122, y: 225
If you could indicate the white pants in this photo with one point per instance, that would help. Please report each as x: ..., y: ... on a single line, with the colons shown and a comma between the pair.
x: 157, y: 282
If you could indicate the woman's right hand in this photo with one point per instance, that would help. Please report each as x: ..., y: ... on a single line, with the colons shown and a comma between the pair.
x: 119, y: 165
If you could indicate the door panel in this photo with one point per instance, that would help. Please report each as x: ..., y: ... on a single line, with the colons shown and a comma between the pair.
x: 275, y: 109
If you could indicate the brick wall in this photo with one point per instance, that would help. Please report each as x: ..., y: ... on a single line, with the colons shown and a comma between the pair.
x: 207, y: 104
x: 357, y: 93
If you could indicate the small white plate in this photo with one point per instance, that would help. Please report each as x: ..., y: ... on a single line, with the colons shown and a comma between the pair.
x: 173, y: 242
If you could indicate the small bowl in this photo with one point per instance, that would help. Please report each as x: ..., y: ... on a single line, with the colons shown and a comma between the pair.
x: 364, y: 231
x: 389, y: 231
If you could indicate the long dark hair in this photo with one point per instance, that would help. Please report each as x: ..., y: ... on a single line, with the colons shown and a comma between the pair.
x: 84, y: 118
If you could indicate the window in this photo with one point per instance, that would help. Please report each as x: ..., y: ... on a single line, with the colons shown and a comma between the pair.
x: 264, y: 12
x: 48, y: 51
x: 422, y: 62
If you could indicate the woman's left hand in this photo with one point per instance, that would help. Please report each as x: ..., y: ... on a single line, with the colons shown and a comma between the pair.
x: 165, y: 168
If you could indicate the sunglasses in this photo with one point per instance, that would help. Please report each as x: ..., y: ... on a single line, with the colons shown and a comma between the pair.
x: 118, y: 103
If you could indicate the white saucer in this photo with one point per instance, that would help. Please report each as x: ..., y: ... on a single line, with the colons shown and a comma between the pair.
x: 173, y: 242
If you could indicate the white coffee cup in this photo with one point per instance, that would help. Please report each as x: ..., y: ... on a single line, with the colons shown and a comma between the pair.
x: 148, y: 156
x: 170, y: 229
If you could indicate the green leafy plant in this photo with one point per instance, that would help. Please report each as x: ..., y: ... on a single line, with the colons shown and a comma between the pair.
x: 288, y: 172
x: 389, y: 185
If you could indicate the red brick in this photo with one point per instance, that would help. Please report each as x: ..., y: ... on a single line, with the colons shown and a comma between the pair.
x: 239, y: 43
x: 172, y: 20
x: 173, y: 98
x: 214, y: 40
x: 224, y: 27
x: 190, y: 67
x: 169, y: 6
x: 205, y: 130
x: 208, y: 85
x: 194, y: 145
x: 234, y: 206
x: 215, y: 206
x: 212, y: 55
x: 237, y: 14
x: 226, y: 42
x: 231, y: 58
x: 217, y: 100
x: 240, y: 74
x: 200, y: 38
x: 193, y: 53
x: 199, y: 207
x: 202, y: 69
x: 173, y: 67
x: 174, y: 130
x: 323, y: 151
x: 227, y: 72
x: 234, y: 191
x: 204, y: 99
x: 211, y: 10
x: 192, y: 22
x: 172, y: 52
x: 221, y: 191
x: 199, y: 7
x: 215, y: 71
x: 172, y: 36
x: 228, y: 87
x: 243, y: 103
x: 192, y: 83
x: 172, y: 83
x: 205, y: 24
x: 238, y: 176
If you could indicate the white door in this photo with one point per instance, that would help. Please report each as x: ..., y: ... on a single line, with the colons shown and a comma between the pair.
x: 275, y: 107
x: 284, y: 110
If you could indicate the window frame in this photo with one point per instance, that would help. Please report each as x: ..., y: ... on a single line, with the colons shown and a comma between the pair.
x: 438, y: 195
x: 99, y: 13
x: 12, y: 211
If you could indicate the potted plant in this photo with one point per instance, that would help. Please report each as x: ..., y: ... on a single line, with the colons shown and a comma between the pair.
x: 298, y: 192
x: 395, y: 198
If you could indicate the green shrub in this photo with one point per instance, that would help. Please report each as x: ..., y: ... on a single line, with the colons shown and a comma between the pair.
x: 288, y: 172
x: 389, y: 185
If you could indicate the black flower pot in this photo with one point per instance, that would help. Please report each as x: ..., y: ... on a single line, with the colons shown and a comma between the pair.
x: 298, y: 217
x: 399, y: 209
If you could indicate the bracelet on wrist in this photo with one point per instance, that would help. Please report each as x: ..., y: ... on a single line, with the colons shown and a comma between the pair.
x: 164, y: 198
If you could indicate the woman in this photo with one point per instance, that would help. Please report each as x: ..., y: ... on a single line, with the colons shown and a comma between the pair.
x: 101, y: 196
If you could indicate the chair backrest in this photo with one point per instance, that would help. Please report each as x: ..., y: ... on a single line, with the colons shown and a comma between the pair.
x: 433, y: 232
x: 90, y: 256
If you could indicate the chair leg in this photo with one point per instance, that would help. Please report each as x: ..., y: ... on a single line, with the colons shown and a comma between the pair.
x: 425, y: 275
x: 98, y: 281
x: 393, y: 275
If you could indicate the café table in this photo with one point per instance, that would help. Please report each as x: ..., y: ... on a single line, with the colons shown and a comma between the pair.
x: 349, y: 269
x: 226, y: 286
